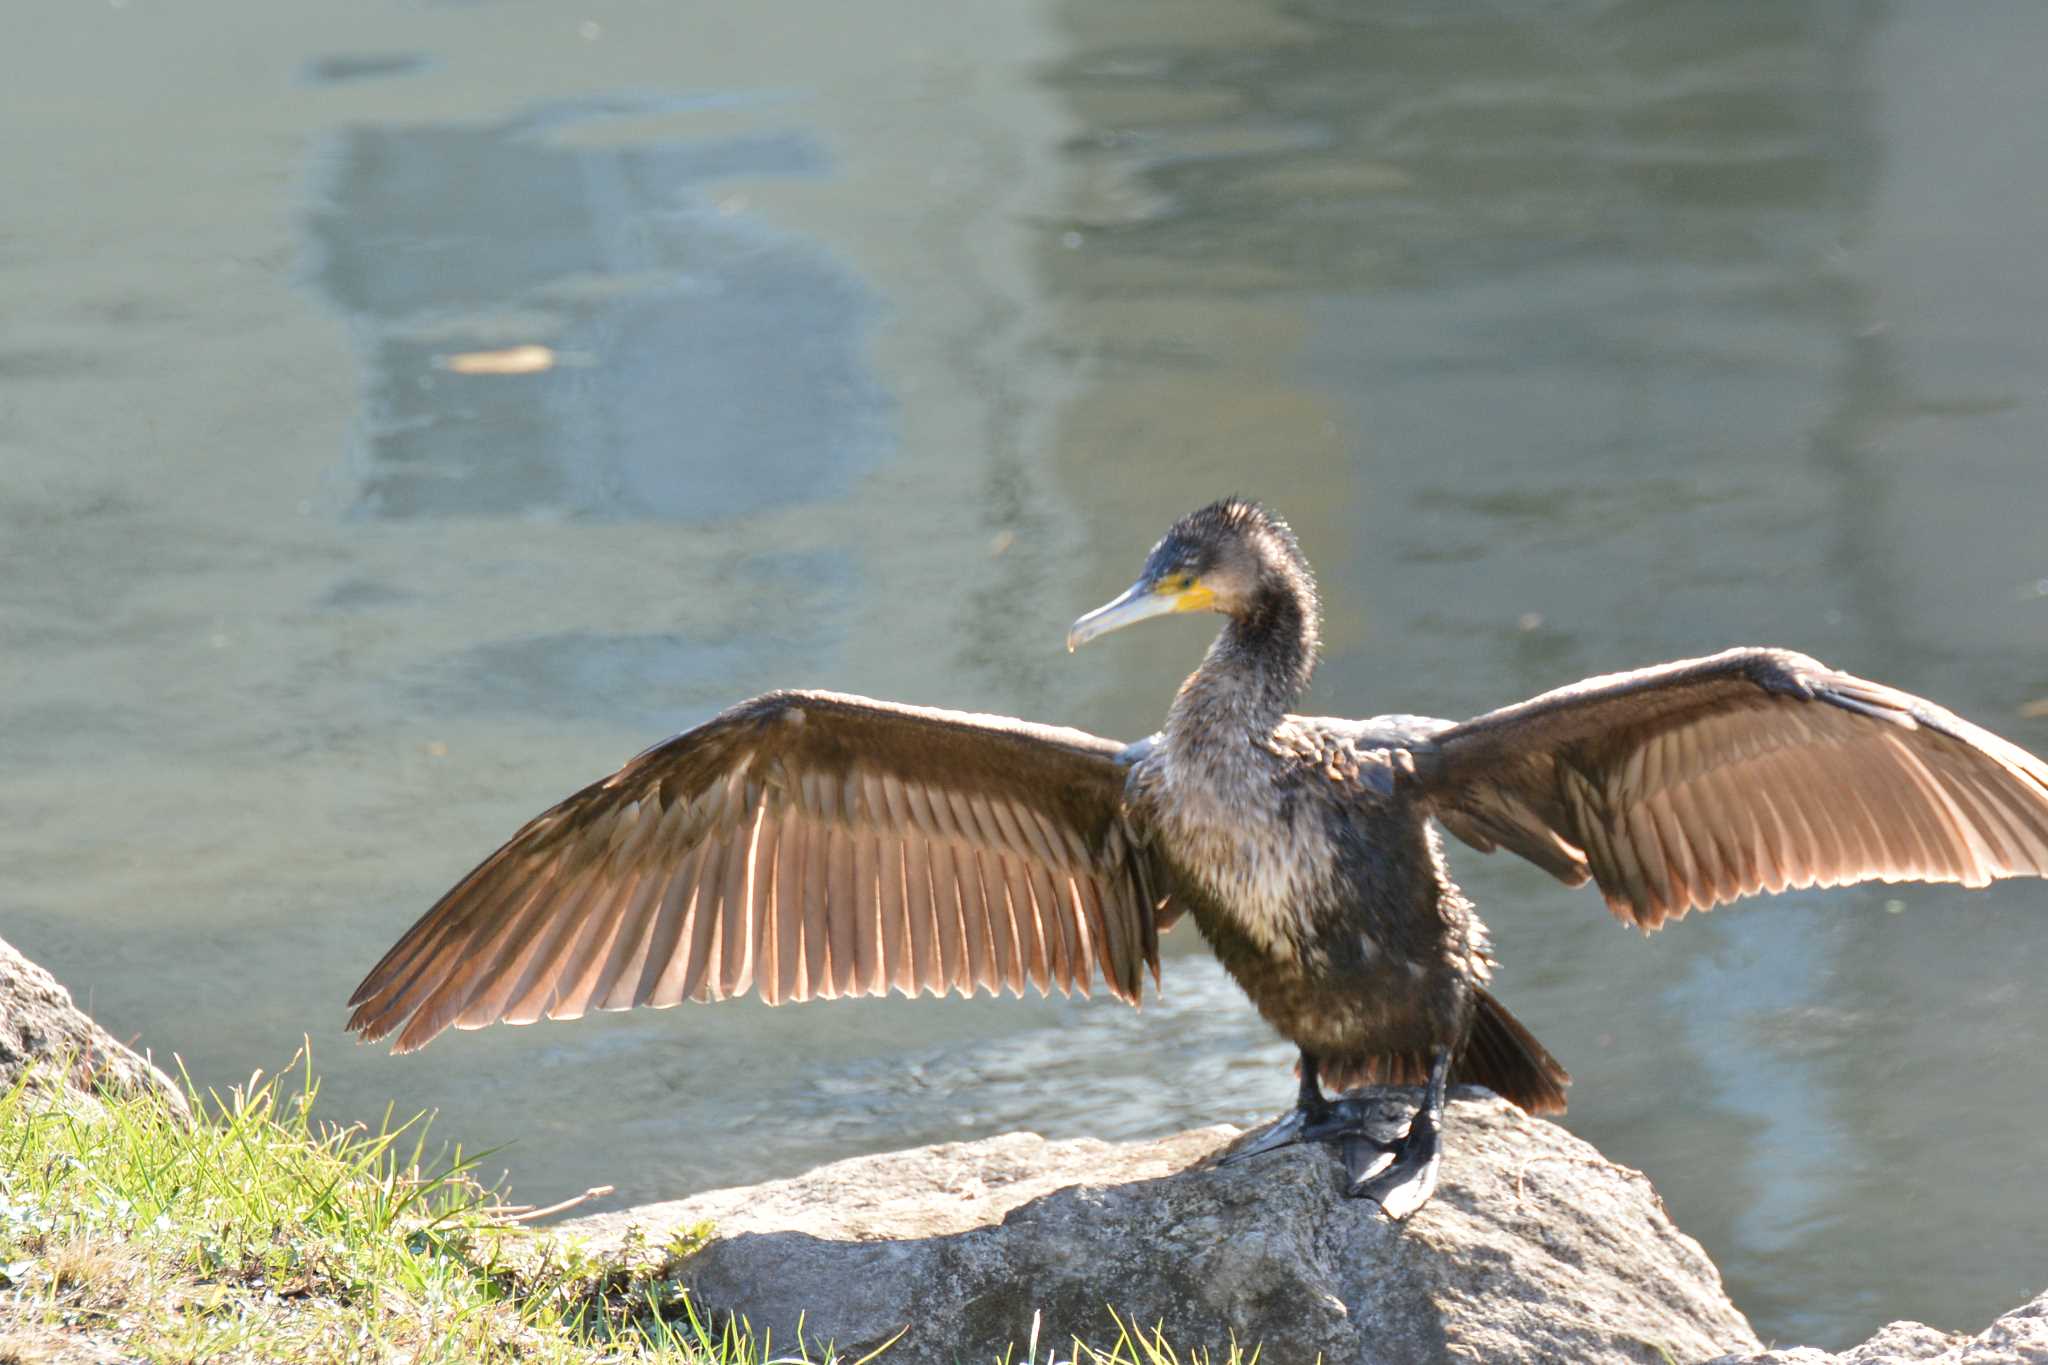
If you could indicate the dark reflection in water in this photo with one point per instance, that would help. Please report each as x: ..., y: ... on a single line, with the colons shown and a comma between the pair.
x: 1392, y: 145
x: 698, y: 365
x: 340, y: 67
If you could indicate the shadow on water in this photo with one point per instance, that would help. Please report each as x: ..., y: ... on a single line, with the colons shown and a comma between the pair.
x: 339, y: 67
x: 731, y: 374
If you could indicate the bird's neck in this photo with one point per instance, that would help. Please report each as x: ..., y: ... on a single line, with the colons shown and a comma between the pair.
x: 1258, y: 667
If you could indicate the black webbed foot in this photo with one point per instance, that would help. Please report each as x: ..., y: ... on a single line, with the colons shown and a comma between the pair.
x: 1349, y: 1121
x: 1404, y: 1184
x: 1399, y: 1176
x: 1364, y: 1158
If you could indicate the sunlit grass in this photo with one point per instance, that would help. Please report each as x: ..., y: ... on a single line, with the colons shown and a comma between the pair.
x: 1133, y: 1346
x: 255, y: 1232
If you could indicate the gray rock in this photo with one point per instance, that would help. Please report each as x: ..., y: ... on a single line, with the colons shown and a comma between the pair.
x: 1536, y: 1248
x: 2018, y: 1338
x: 41, y: 1028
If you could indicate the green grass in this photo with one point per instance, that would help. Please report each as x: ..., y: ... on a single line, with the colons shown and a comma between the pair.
x: 1133, y: 1346
x: 258, y: 1233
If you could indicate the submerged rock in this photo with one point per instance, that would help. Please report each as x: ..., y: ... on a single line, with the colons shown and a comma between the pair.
x: 41, y: 1028
x: 1536, y: 1248
x: 2018, y: 1338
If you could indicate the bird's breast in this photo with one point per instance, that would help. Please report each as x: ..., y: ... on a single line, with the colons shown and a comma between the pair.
x: 1255, y: 847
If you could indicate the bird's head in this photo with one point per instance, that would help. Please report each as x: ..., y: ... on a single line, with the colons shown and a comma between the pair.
x: 1232, y: 557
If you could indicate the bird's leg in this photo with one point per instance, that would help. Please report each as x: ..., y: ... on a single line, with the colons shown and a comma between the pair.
x: 1314, y: 1119
x: 1402, y: 1181
x: 1310, y: 1101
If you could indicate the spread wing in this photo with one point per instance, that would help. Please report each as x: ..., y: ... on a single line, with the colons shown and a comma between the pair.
x: 1689, y: 784
x: 802, y: 844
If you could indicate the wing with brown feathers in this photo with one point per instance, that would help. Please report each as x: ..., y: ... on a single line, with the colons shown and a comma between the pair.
x: 1687, y: 785
x: 802, y: 844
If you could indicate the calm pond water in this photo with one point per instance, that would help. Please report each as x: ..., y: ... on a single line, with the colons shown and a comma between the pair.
x: 879, y: 342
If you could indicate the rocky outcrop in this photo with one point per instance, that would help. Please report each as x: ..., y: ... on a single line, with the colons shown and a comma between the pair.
x: 45, y: 1035
x: 1536, y: 1248
x: 2018, y: 1338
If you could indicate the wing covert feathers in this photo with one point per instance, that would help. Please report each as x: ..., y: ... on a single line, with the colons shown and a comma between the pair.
x: 1688, y: 785
x: 801, y: 845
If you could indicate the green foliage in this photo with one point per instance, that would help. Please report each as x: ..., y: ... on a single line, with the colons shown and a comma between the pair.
x: 258, y: 1232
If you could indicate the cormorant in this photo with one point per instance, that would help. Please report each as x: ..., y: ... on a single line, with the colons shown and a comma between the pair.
x: 809, y: 844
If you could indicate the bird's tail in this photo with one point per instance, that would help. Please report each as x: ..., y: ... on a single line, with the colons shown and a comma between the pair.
x: 1505, y: 1058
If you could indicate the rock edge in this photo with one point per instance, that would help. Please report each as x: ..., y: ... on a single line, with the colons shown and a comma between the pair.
x: 44, y: 1035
